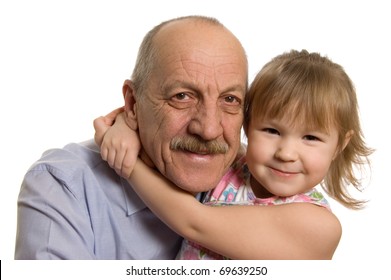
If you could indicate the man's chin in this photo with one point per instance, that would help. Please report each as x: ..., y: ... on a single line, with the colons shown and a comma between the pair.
x: 197, y: 184
x: 196, y: 173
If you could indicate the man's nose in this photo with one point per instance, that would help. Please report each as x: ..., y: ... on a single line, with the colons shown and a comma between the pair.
x: 207, y: 120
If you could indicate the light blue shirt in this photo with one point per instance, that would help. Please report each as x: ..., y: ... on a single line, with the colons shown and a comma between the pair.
x: 72, y: 205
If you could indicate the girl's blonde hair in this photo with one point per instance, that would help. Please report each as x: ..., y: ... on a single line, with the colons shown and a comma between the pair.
x: 311, y: 89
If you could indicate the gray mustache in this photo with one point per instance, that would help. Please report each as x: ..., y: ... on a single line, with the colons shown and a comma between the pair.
x: 197, y: 145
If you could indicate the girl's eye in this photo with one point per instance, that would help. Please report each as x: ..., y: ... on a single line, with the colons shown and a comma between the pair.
x: 311, y: 138
x: 271, y: 130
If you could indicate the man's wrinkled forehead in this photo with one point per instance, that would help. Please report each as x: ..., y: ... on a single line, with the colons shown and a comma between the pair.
x: 224, y: 73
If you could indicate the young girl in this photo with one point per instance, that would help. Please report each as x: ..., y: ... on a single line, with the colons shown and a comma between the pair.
x: 302, y: 124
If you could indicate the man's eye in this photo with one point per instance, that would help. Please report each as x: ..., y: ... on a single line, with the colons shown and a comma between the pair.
x: 231, y: 99
x: 182, y: 100
x: 181, y: 96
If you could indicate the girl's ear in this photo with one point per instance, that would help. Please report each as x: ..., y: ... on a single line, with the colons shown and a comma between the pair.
x: 130, y: 104
x: 346, y: 141
x: 348, y: 136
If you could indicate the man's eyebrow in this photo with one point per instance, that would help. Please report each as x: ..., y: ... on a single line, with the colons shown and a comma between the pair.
x: 237, y: 87
x: 193, y: 86
x: 177, y: 84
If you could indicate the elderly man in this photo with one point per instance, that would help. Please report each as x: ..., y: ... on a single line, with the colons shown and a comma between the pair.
x: 189, y: 81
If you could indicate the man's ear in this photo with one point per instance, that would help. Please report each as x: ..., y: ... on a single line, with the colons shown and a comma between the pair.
x: 130, y: 104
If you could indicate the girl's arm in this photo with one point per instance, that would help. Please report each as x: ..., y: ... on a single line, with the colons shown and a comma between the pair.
x: 289, y: 231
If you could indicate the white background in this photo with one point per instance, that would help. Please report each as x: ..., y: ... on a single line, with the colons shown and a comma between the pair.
x: 62, y: 63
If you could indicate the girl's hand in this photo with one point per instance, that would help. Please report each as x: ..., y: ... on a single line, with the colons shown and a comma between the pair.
x: 119, y: 145
x: 103, y: 123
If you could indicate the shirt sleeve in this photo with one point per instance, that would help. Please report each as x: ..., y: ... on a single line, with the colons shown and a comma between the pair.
x: 52, y: 223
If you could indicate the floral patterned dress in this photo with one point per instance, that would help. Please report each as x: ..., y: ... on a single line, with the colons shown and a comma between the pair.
x: 234, y: 189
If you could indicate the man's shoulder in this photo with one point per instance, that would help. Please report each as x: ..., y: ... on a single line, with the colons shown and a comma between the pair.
x: 77, y: 167
x: 69, y: 161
